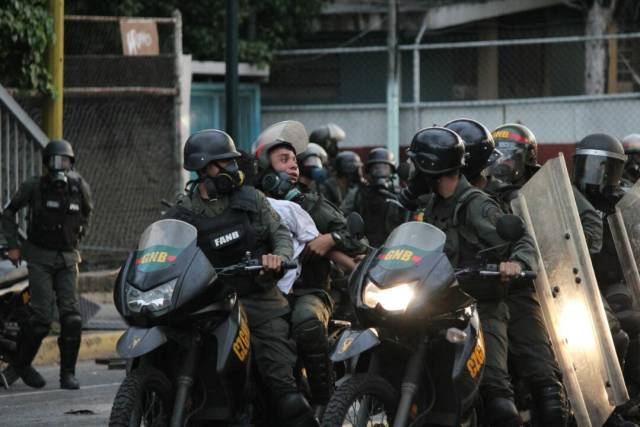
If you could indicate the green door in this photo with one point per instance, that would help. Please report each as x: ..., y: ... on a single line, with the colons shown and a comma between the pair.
x: 208, y: 110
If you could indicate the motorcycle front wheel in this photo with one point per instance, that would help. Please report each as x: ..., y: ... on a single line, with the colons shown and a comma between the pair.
x: 363, y: 400
x: 145, y: 398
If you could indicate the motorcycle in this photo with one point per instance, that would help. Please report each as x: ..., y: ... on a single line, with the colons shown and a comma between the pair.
x: 188, y: 343
x: 14, y: 300
x: 420, y: 358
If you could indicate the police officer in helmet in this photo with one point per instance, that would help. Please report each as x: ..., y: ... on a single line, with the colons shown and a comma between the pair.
x: 347, y: 173
x: 531, y: 356
x: 328, y: 137
x: 312, y: 304
x: 313, y: 163
x: 468, y: 217
x: 631, y: 144
x: 218, y: 202
x: 60, y: 206
x: 374, y: 198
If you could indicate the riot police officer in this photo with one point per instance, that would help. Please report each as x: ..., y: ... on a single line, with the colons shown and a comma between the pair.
x: 631, y: 144
x: 312, y: 304
x: 217, y: 203
x: 468, y: 217
x: 599, y: 162
x: 60, y: 206
x: 531, y: 356
x: 313, y: 163
x: 347, y: 173
x: 328, y: 137
x: 374, y: 199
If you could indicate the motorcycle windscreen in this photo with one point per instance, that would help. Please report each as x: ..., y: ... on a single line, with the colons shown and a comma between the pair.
x: 569, y: 295
x: 625, y: 228
x: 161, y: 244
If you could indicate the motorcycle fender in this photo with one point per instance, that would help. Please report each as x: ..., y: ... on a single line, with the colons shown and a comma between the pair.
x: 138, y: 341
x: 354, y: 342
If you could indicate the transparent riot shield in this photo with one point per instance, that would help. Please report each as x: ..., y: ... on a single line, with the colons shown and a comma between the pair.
x: 625, y: 228
x: 569, y: 296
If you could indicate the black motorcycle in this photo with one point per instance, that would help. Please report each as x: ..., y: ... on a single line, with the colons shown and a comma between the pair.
x: 14, y: 300
x: 188, y: 345
x: 421, y: 359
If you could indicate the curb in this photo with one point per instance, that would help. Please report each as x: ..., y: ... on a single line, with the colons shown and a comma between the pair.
x: 94, y: 345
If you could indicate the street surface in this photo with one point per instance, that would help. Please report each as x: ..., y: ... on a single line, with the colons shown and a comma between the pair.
x: 51, y: 406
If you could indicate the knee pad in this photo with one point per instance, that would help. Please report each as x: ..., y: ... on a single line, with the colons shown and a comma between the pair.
x: 551, y: 408
x: 294, y: 409
x: 619, y: 297
x: 502, y: 412
x: 311, y: 334
x: 71, y: 324
x: 621, y: 343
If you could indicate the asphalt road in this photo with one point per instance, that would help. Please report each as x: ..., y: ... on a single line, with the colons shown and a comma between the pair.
x: 51, y: 406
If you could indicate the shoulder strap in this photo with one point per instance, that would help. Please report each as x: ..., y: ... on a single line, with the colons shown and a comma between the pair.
x: 245, y: 198
x: 470, y: 194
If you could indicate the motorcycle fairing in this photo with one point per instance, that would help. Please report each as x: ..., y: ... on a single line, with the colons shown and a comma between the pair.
x: 136, y: 341
x: 354, y: 342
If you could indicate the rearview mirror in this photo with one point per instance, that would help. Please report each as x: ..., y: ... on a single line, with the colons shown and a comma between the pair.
x: 355, y: 224
x: 510, y: 228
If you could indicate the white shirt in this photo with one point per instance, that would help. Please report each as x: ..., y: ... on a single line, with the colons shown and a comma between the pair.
x: 302, y: 229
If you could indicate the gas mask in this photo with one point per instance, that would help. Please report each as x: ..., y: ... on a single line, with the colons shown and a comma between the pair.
x: 313, y: 169
x: 418, y: 184
x: 380, y: 175
x: 224, y: 182
x: 279, y: 186
x: 59, y: 166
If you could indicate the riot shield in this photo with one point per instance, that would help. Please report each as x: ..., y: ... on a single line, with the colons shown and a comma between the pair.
x: 625, y: 228
x: 569, y: 296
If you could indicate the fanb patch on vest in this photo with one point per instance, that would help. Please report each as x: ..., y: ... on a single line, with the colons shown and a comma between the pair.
x: 156, y: 257
x: 226, y: 238
x: 403, y: 256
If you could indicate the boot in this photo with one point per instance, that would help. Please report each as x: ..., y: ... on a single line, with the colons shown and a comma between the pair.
x: 313, y: 347
x: 294, y: 410
x: 31, y: 337
x: 502, y: 412
x: 551, y: 408
x: 69, y: 348
x: 616, y: 420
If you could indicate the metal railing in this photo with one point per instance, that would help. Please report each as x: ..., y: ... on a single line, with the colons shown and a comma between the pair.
x: 21, y: 144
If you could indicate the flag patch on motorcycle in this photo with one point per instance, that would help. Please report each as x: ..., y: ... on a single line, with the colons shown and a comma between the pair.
x: 225, y: 239
x: 156, y: 257
x: 400, y: 257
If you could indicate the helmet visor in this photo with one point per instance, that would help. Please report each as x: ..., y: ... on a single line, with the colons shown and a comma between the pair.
x: 600, y: 171
x: 312, y: 162
x: 379, y: 170
x: 59, y: 163
x: 510, y: 165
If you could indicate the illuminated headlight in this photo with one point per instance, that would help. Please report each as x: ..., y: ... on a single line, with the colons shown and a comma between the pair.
x: 155, y: 299
x: 396, y: 298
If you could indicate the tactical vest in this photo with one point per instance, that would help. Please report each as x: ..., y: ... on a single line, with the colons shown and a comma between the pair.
x: 374, y: 209
x: 55, y: 215
x: 462, y: 246
x: 227, y: 237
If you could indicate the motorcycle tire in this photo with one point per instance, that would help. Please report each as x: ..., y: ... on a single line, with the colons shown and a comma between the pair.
x: 146, y: 394
x: 348, y: 399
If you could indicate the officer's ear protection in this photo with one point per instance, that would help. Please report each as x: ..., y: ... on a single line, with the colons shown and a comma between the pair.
x: 279, y: 185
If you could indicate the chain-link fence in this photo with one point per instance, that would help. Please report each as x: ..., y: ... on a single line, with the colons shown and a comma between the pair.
x: 539, y: 82
x: 121, y: 114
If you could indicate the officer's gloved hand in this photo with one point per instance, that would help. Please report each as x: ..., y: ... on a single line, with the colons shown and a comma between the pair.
x: 415, y: 188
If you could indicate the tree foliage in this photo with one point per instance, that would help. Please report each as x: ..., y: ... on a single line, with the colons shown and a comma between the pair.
x: 25, y: 29
x: 265, y: 25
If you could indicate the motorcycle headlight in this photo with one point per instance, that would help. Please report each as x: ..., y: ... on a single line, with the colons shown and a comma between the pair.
x: 396, y: 298
x: 155, y: 299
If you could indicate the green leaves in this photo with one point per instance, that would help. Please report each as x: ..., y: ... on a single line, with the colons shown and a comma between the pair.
x: 25, y: 28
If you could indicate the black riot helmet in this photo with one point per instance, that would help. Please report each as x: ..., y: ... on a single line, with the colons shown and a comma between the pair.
x: 380, y: 159
x: 519, y: 150
x: 349, y: 165
x: 436, y: 151
x: 328, y: 137
x: 478, y: 144
x: 598, y: 163
x: 58, y: 158
x: 631, y: 144
x: 207, y: 146
x: 57, y: 147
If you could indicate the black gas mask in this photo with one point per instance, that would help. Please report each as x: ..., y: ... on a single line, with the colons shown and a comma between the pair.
x: 228, y: 179
x: 632, y: 167
x: 313, y: 169
x: 279, y: 186
x: 380, y: 175
x: 59, y: 166
x: 418, y: 184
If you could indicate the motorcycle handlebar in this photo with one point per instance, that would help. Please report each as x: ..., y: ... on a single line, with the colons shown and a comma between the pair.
x: 487, y: 271
x: 254, y: 265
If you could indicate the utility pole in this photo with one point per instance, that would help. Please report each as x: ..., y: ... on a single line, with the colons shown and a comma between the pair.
x: 393, y: 83
x: 231, y: 75
x: 55, y: 51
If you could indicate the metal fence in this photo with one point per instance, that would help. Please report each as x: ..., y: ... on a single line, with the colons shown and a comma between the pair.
x: 537, y: 81
x: 122, y: 115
